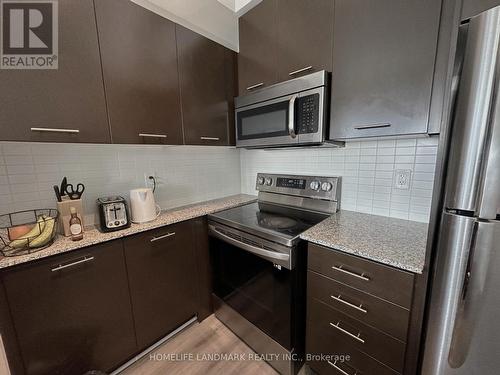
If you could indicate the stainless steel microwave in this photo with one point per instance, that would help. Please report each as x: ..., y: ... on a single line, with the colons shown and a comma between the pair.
x: 290, y: 113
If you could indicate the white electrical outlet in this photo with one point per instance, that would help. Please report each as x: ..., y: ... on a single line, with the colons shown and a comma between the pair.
x: 402, y: 179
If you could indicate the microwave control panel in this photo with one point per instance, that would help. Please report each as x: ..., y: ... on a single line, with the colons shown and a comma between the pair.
x: 308, y: 114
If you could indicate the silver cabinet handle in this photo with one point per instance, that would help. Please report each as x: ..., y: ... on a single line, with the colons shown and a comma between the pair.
x: 359, y: 308
x: 210, y: 138
x: 152, y: 135
x: 334, y: 365
x: 356, y: 337
x: 300, y: 70
x: 159, y: 238
x: 55, y: 130
x: 63, y: 266
x: 249, y: 88
x: 291, y: 116
x: 341, y: 269
x: 373, y: 126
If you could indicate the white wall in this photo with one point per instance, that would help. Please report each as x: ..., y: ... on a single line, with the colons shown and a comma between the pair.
x: 187, y: 174
x: 367, y: 169
x: 206, y: 17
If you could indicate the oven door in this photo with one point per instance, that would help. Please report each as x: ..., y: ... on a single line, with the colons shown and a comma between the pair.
x: 269, y: 123
x: 258, y: 289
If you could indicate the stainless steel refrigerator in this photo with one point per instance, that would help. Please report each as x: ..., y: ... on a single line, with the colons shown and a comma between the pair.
x: 463, y: 325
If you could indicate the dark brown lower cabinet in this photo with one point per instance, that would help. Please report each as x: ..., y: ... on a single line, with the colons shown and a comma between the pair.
x: 162, y: 276
x: 358, y: 322
x: 72, y: 312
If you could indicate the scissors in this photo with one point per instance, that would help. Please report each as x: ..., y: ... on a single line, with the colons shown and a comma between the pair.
x: 75, y: 193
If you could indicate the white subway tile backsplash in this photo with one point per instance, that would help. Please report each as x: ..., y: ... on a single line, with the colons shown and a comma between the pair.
x: 405, y: 159
x: 405, y: 150
x: 428, y: 141
x: 368, y: 144
x: 186, y: 174
x: 367, y: 169
x: 386, y: 143
x: 425, y: 159
x: 386, y: 151
x: 384, y: 159
x: 427, y: 150
x: 406, y: 142
x: 368, y: 151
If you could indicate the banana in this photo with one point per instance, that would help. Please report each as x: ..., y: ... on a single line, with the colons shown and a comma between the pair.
x: 46, y: 235
x: 37, y: 230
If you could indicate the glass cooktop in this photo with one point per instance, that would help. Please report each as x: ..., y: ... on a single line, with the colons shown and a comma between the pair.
x: 276, y: 223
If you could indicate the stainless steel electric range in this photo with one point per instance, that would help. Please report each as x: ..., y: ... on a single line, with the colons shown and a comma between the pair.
x: 259, y: 263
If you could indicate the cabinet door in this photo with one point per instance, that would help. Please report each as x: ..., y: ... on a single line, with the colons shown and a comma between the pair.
x: 72, y: 312
x: 139, y: 61
x: 162, y: 280
x: 258, y: 55
x: 68, y: 98
x: 202, y: 75
x: 305, y: 37
x: 383, y: 63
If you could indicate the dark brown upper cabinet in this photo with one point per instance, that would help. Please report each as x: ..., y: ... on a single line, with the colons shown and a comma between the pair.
x: 162, y: 277
x: 205, y: 68
x: 258, y: 56
x: 66, y: 104
x: 305, y: 37
x: 72, y: 312
x: 139, y: 61
x: 383, y: 65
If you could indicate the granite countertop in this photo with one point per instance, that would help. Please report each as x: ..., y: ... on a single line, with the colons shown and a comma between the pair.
x: 93, y: 236
x: 395, y: 242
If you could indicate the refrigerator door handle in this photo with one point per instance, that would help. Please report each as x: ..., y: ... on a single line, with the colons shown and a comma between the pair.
x: 452, y: 253
x: 472, y: 118
x: 473, y: 290
x: 489, y: 204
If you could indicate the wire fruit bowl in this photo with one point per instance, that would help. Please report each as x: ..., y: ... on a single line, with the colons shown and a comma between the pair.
x: 26, y: 232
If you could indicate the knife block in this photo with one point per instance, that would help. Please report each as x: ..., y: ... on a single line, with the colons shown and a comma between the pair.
x: 65, y: 215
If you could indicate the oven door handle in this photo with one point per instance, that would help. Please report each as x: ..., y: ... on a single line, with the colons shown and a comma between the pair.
x: 268, y: 254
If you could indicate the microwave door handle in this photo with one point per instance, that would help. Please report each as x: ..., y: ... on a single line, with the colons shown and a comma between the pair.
x: 291, y: 117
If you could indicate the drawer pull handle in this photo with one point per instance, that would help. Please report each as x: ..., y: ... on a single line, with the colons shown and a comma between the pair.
x: 249, y: 88
x: 356, y: 337
x: 300, y: 70
x: 55, y: 130
x: 334, y: 365
x: 341, y: 269
x: 210, y: 138
x: 63, y: 266
x: 373, y: 126
x: 341, y: 300
x: 154, y: 239
x: 148, y: 135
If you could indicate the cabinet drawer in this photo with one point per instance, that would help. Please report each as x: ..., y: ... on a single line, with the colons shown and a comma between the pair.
x: 330, y: 355
x: 365, y: 275
x: 338, y: 326
x: 385, y: 316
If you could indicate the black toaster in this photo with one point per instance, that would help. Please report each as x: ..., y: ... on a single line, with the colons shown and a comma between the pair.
x: 113, y: 213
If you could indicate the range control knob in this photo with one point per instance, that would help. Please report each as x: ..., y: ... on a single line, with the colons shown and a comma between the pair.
x: 260, y: 181
x: 326, y: 186
x: 315, y: 185
x: 269, y: 181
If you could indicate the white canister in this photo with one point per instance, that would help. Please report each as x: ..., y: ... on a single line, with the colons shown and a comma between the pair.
x: 143, y: 206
